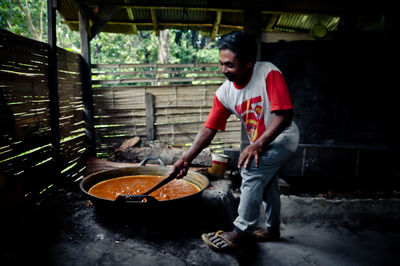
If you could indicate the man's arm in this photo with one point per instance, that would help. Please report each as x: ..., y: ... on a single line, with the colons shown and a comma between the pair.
x: 279, y: 122
x: 203, y: 139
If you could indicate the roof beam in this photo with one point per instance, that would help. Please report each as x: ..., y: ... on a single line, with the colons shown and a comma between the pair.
x: 181, y: 8
x: 132, y: 18
x: 272, y: 22
x: 154, y: 21
x: 232, y: 10
x: 101, y: 19
x: 215, y: 28
x: 166, y: 24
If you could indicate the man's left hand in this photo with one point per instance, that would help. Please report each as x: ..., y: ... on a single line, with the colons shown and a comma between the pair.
x: 253, y: 150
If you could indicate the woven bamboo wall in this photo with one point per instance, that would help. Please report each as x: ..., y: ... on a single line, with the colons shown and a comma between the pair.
x: 26, y: 152
x: 72, y: 133
x: 183, y: 96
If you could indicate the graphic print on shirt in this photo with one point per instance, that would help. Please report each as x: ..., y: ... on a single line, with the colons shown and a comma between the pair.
x: 251, y: 111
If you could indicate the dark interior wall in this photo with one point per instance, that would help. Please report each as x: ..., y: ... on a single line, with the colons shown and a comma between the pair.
x: 344, y: 91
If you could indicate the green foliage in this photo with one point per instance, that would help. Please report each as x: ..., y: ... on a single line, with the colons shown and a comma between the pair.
x: 190, y: 47
x: 67, y: 39
x: 17, y: 15
x: 109, y: 48
x: 143, y: 48
x: 186, y: 46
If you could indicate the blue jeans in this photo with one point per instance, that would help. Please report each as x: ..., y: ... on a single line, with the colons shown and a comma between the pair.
x: 261, y: 184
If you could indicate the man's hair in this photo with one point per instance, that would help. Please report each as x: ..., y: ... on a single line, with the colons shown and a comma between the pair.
x: 241, y: 43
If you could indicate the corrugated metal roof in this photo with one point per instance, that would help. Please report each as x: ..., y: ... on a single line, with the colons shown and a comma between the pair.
x: 305, y: 22
x: 283, y: 15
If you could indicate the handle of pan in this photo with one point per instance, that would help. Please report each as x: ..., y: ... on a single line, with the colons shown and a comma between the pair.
x: 158, y: 159
x: 136, y: 199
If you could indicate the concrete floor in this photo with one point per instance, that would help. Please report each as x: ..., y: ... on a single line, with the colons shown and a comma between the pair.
x: 69, y: 231
x: 302, y: 244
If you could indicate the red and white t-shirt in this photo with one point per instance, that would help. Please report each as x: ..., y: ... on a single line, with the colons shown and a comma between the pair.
x: 254, y: 103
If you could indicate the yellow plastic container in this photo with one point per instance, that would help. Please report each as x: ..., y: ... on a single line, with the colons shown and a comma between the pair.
x: 219, y: 162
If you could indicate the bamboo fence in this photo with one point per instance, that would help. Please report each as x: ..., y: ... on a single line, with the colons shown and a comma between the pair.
x: 26, y: 150
x: 164, y: 102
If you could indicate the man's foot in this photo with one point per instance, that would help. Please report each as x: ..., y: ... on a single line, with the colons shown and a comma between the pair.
x: 223, y: 241
x: 264, y: 235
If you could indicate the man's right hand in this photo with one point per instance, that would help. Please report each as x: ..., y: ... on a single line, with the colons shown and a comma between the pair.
x: 180, y: 167
x: 202, y: 140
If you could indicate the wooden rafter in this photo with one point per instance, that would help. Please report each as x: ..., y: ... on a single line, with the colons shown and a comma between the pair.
x: 157, y: 15
x: 216, y: 25
x: 185, y: 8
x: 94, y: 18
x: 164, y: 24
x: 132, y: 18
x: 154, y: 21
x: 101, y: 18
x: 272, y: 21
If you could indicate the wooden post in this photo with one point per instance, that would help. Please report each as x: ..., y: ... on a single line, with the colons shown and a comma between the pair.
x: 87, y: 92
x: 154, y: 21
x: 215, y: 28
x: 53, y: 85
x: 150, y: 111
x: 252, y: 22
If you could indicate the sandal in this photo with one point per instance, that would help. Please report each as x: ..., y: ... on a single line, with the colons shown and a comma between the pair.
x: 227, y: 246
x: 263, y: 235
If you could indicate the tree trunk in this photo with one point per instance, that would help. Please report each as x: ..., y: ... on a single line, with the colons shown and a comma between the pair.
x: 36, y: 33
x: 163, y: 50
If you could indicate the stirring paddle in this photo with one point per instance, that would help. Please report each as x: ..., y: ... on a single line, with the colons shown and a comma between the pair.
x: 147, y: 193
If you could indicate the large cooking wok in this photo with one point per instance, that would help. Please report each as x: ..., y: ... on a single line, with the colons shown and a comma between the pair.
x: 198, y: 180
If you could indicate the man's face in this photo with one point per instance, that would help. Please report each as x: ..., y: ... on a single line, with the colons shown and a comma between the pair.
x: 232, y: 68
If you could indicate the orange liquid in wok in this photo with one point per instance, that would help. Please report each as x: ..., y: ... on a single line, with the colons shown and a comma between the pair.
x: 138, y: 184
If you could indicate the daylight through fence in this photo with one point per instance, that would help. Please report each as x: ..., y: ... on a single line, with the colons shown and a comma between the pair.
x: 179, y: 98
x: 27, y: 155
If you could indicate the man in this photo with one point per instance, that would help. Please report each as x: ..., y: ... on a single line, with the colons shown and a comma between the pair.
x: 255, y: 92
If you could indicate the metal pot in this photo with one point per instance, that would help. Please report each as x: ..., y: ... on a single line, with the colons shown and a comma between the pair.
x: 198, y: 180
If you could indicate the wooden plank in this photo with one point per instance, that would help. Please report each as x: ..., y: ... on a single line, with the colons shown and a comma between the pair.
x: 71, y: 121
x: 24, y: 64
x: 119, y: 107
x: 10, y: 51
x: 70, y: 76
x: 155, y: 79
x: 115, y: 114
x: 149, y: 103
x: 105, y: 66
x: 184, y: 118
x: 73, y: 143
x: 77, y: 171
x: 119, y: 121
x: 140, y: 73
x: 21, y: 82
x: 187, y: 103
x: 87, y: 91
x: 23, y: 149
x: 122, y: 128
x: 7, y: 37
x: 160, y: 112
x: 121, y: 94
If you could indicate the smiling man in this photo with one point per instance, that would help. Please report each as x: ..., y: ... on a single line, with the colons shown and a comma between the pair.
x: 255, y: 92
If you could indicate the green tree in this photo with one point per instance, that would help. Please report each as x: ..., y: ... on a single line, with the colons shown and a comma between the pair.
x: 25, y: 17
x: 191, y: 47
x: 143, y: 48
x: 29, y: 18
